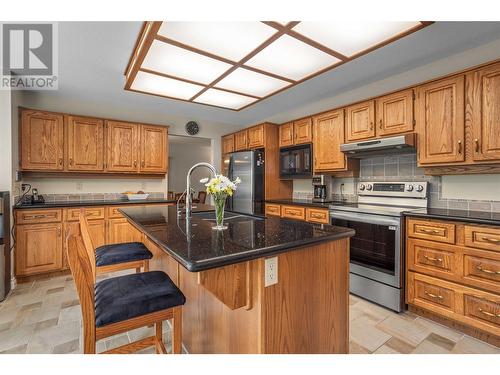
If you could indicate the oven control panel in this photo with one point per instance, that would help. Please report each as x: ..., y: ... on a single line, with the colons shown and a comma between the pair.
x: 394, y: 189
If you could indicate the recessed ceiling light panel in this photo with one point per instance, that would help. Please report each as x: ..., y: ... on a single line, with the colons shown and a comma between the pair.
x: 252, y: 83
x: 168, y: 59
x: 351, y: 37
x: 224, y: 99
x: 231, y: 40
x: 159, y: 85
x: 291, y: 58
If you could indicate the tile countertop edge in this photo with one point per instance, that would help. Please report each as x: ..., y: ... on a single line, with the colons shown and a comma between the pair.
x: 69, y: 204
x: 238, y: 258
x: 456, y: 215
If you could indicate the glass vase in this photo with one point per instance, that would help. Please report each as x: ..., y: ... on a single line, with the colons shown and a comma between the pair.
x: 220, y: 203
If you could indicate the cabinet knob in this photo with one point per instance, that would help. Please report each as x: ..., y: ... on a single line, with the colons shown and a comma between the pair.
x: 71, y: 161
x: 459, y: 147
x: 371, y: 125
x: 135, y: 163
x: 476, y: 142
x: 60, y: 161
x: 143, y: 164
x: 380, y: 124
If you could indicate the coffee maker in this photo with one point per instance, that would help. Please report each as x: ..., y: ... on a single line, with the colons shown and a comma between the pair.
x: 321, y: 184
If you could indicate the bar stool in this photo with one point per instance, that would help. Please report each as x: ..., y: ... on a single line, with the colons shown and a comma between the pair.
x: 117, y: 257
x: 123, y: 303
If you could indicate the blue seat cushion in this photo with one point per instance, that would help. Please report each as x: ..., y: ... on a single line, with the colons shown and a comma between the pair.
x: 121, y: 253
x: 125, y: 297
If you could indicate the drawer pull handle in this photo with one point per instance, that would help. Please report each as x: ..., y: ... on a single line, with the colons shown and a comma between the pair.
x: 433, y: 259
x: 480, y: 268
x: 433, y: 295
x: 317, y: 215
x: 35, y: 217
x: 487, y: 313
x: 431, y: 231
x: 489, y: 239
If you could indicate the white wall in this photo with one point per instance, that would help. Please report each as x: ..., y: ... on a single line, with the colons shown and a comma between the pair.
x: 5, y: 141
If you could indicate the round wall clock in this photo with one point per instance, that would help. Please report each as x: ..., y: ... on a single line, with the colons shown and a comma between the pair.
x: 192, y: 128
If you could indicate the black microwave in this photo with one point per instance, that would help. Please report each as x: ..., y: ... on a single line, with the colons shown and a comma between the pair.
x: 296, y: 162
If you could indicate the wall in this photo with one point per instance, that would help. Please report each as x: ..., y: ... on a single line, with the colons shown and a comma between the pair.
x: 5, y: 141
x: 183, y: 155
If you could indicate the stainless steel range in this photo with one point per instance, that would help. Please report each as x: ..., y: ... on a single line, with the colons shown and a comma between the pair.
x: 377, y: 249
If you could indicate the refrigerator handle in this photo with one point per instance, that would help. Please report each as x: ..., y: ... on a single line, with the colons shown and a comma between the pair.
x: 229, y: 204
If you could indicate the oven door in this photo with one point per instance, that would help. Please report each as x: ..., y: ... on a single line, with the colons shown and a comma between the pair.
x: 375, y: 250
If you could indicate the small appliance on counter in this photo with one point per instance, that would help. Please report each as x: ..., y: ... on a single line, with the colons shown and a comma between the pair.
x: 36, y: 198
x: 5, y: 247
x: 321, y: 185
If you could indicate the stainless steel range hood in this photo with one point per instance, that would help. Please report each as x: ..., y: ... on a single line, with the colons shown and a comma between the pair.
x: 382, y: 146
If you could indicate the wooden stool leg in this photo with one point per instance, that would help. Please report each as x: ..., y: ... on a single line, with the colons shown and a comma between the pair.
x: 146, y: 265
x: 160, y: 347
x: 177, y: 331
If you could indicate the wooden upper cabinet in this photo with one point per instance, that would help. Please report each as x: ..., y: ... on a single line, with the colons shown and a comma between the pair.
x: 328, y: 136
x: 440, y: 121
x: 154, y: 149
x: 228, y: 144
x: 303, y: 131
x: 122, y: 146
x: 85, y: 144
x: 241, y: 140
x: 42, y: 140
x: 483, y: 101
x: 256, y: 136
x: 360, y: 121
x: 394, y: 113
x: 286, y: 134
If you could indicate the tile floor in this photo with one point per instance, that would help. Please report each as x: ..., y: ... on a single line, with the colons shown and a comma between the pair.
x: 44, y: 317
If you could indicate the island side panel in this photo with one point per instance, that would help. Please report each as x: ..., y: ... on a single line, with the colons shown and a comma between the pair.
x: 307, y: 311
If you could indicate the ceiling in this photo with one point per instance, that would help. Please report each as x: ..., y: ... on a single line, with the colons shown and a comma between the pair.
x: 93, y: 57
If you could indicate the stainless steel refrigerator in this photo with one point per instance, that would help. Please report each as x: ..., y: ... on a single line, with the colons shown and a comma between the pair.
x: 249, y: 195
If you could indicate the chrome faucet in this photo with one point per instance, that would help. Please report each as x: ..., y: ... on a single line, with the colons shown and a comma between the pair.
x: 189, y: 202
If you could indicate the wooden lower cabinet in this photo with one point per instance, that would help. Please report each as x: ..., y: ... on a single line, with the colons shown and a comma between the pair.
x: 120, y: 230
x: 38, y: 248
x: 309, y: 214
x: 453, y: 272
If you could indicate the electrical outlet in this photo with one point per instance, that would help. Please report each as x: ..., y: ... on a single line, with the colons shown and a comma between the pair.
x: 79, y: 186
x: 271, y: 271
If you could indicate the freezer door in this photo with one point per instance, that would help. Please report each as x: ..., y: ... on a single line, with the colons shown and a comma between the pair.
x: 242, y: 166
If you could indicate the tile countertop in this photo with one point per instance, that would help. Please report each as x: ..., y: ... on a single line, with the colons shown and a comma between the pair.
x: 197, y: 247
x: 479, y: 217
x: 86, y: 203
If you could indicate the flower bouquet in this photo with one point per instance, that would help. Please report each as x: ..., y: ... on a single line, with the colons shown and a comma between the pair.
x: 220, y: 187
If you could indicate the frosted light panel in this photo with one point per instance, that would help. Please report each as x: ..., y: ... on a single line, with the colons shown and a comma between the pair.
x: 152, y: 83
x: 249, y: 82
x: 290, y: 58
x: 178, y: 62
x: 351, y: 37
x: 232, y: 40
x: 224, y: 99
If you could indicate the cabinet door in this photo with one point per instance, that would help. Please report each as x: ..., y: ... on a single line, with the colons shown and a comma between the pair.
x: 256, y: 136
x: 241, y: 140
x: 286, y: 134
x: 360, y: 121
x: 38, y: 248
x: 97, y: 229
x: 228, y: 144
x: 154, y: 149
x: 85, y: 140
x: 483, y: 99
x: 328, y: 135
x: 395, y: 113
x: 42, y: 140
x: 122, y: 149
x: 440, y: 121
x: 120, y: 230
x: 303, y: 131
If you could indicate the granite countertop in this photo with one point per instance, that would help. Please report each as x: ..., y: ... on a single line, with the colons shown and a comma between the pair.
x: 301, y: 202
x: 480, y: 217
x: 86, y: 203
x: 198, y: 247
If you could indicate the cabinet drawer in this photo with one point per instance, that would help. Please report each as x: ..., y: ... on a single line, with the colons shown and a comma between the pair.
x: 92, y: 213
x: 482, y: 237
x: 316, y: 215
x: 482, y: 269
x: 38, y: 216
x: 432, y: 230
x: 482, y: 309
x: 273, y: 209
x: 434, y: 294
x: 431, y: 258
x: 293, y: 212
x: 113, y: 212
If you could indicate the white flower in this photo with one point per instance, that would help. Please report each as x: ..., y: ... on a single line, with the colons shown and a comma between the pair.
x: 204, y: 180
x: 237, y: 181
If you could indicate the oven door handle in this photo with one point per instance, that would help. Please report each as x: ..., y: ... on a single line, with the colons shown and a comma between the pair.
x: 365, y: 218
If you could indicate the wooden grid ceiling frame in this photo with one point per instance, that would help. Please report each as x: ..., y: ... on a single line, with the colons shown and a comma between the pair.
x: 149, y: 33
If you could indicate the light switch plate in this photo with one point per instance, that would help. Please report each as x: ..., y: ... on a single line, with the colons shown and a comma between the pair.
x: 271, y: 271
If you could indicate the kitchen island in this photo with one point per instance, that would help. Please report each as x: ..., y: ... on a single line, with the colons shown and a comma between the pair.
x: 264, y: 285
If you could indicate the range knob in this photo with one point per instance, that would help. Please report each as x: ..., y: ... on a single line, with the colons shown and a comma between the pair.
x: 420, y: 188
x: 409, y: 188
x: 361, y: 187
x: 369, y: 187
